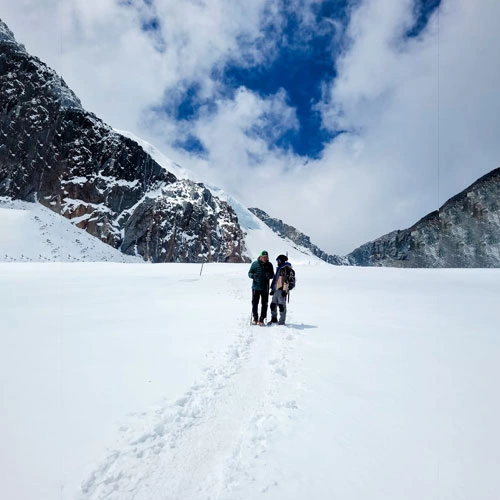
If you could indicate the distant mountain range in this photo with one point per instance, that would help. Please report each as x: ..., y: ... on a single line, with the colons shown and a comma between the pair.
x: 464, y: 232
x: 123, y: 192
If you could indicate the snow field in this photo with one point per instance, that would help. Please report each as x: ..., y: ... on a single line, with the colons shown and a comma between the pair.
x: 204, y: 443
x: 139, y: 381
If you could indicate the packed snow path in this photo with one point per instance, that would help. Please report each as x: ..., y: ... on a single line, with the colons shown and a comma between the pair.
x: 208, y: 440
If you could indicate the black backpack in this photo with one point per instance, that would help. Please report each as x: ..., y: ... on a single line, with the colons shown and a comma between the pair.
x: 289, y: 277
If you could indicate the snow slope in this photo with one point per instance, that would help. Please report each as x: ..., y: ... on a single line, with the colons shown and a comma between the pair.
x: 31, y: 232
x: 139, y: 381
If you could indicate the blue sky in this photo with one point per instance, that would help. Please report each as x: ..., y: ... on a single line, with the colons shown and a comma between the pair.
x: 346, y: 119
x: 302, y: 62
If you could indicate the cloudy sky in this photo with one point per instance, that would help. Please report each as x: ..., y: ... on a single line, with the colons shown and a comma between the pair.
x: 345, y: 118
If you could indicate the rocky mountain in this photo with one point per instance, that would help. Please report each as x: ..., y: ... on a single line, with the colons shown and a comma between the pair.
x: 464, y: 232
x: 285, y: 231
x: 55, y: 153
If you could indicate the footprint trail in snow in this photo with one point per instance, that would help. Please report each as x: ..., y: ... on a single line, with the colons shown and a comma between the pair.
x: 208, y: 442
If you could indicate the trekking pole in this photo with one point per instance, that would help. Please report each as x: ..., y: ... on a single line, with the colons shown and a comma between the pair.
x: 267, y: 299
x: 251, y: 312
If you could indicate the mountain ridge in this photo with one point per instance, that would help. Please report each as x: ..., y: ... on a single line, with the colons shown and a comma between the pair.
x: 464, y: 232
x: 54, y: 152
x: 286, y: 231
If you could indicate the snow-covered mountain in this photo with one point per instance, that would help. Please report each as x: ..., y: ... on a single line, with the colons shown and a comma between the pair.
x: 110, y: 183
x: 30, y: 232
x: 258, y: 234
x: 300, y: 239
x: 54, y: 152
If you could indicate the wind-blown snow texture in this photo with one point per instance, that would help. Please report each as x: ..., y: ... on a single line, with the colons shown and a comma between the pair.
x: 136, y: 381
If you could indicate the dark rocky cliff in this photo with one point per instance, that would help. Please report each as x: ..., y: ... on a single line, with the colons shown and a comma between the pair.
x: 464, y: 232
x: 54, y: 152
x: 294, y: 235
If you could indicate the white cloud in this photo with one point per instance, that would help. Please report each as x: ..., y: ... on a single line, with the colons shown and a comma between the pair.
x: 105, y: 56
x: 236, y: 137
x: 425, y: 112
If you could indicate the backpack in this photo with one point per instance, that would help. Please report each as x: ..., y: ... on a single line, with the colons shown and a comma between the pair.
x: 288, y: 277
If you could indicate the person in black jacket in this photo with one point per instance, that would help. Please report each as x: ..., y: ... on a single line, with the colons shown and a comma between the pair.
x: 261, y: 271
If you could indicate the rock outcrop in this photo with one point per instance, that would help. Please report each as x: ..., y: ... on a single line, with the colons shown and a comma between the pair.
x: 464, y: 232
x: 54, y: 152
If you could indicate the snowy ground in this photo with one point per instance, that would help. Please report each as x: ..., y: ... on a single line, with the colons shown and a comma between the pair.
x: 29, y: 232
x: 145, y: 382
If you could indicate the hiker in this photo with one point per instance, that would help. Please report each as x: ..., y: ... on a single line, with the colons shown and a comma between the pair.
x: 283, y: 282
x: 261, y: 271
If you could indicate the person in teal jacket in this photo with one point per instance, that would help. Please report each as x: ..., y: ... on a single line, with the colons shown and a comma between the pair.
x: 261, y: 271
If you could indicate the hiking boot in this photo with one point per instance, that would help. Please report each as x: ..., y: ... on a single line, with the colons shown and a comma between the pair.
x: 261, y: 322
x: 274, y: 320
x: 254, y: 321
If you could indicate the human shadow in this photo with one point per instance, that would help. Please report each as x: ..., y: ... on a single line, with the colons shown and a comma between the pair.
x: 300, y: 326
